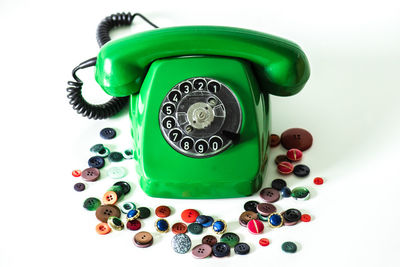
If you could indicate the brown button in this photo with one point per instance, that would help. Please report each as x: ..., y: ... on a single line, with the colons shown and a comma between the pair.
x: 274, y: 140
x: 265, y: 209
x: 90, y: 174
x: 247, y: 216
x: 281, y: 158
x: 209, y: 240
x: 163, y: 211
x: 296, y: 138
x: 143, y: 239
x: 179, y: 228
x: 105, y: 211
x: 270, y: 194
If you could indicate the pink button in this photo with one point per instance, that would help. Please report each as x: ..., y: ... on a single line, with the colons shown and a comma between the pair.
x: 201, y: 251
x: 294, y: 154
x: 285, y: 167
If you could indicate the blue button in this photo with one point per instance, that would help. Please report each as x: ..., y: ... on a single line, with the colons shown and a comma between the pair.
x: 96, y: 162
x: 275, y: 220
x: 108, y: 133
x: 201, y: 219
x: 209, y: 222
x: 286, y: 192
x: 162, y: 225
x: 219, y: 226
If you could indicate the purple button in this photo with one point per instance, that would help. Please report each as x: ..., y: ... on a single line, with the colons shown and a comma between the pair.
x: 270, y: 194
x: 201, y: 251
x: 266, y: 209
x: 90, y: 174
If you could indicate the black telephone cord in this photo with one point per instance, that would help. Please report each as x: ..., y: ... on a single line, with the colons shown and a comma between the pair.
x: 115, y: 104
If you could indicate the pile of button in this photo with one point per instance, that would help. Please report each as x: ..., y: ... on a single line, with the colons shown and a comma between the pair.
x: 296, y: 140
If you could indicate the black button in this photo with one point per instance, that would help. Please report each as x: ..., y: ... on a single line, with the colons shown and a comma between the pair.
x: 242, y: 249
x: 168, y: 122
x: 213, y: 87
x: 221, y: 249
x: 200, y: 84
x: 168, y: 109
x: 216, y: 143
x: 301, y: 170
x: 201, y: 146
x: 185, y: 87
x: 126, y: 188
x: 174, y: 96
x: 108, y: 133
x: 96, y: 162
x: 251, y: 206
x: 278, y: 184
x: 144, y: 212
x: 292, y: 215
x: 175, y: 135
x: 187, y: 143
x: 79, y: 187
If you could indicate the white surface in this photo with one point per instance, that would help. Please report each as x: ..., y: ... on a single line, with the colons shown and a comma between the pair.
x: 350, y: 105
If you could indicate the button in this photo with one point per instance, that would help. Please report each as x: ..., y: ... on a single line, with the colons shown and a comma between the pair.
x: 318, y: 180
x: 286, y: 192
x: 255, y: 226
x: 301, y: 170
x: 110, y: 197
x: 97, y: 148
x: 181, y: 243
x: 163, y: 211
x: 91, y: 203
x: 230, y: 238
x: 76, y: 173
x: 189, y: 215
x: 133, y: 225
x: 201, y: 251
x: 251, y: 205
x: 115, y: 223
x: 242, y: 249
x: 143, y: 239
x: 195, y: 228
x: 115, y: 157
x: 274, y: 140
x: 296, y: 138
x: 133, y: 214
x: 118, y: 190
x: 221, y: 249
x: 79, y: 187
x: 201, y: 146
x: 185, y: 87
x: 162, y: 225
x: 216, y: 143
x: 144, y: 212
x: 126, y: 188
x: 128, y: 154
x: 90, y: 174
x: 96, y: 162
x: 103, y: 228
x: 247, y: 216
x: 116, y: 172
x: 179, y: 228
x: 175, y: 135
x: 108, y: 133
x: 278, y: 184
x: 264, y: 242
x: 281, y: 158
x: 201, y: 219
x: 174, y: 96
x: 219, y: 227
x: 105, y: 211
x: 285, y: 167
x: 168, y: 122
x: 294, y: 154
x: 209, y: 240
x: 199, y: 84
x: 168, y: 108
x: 301, y: 193
x: 213, y: 87
x: 187, y: 143
x: 305, y: 218
x: 103, y: 153
x: 270, y: 195
x: 275, y: 220
x: 262, y: 218
x: 210, y: 221
x: 292, y: 215
x: 265, y: 209
x: 289, y: 247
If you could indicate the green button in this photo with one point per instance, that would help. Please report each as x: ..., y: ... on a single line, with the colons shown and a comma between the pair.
x: 195, y: 228
x: 115, y: 223
x: 144, y: 212
x: 115, y: 157
x: 300, y: 193
x: 128, y: 154
x: 127, y: 206
x: 103, y: 153
x: 119, y: 190
x: 289, y: 247
x: 263, y: 218
x: 97, y: 148
x: 230, y: 238
x: 91, y: 203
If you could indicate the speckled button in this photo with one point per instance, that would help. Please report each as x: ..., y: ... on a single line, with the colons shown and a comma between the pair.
x: 181, y: 243
x: 270, y: 195
x: 201, y: 251
x: 265, y: 209
x: 116, y: 172
x: 90, y: 174
x: 230, y: 238
x: 143, y: 239
x: 105, y: 211
x: 296, y: 138
x: 209, y: 240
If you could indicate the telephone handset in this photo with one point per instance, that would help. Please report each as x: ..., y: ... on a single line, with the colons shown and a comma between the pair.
x: 199, y: 104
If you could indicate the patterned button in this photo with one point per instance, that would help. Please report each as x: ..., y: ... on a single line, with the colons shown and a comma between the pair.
x: 201, y: 251
x: 294, y: 154
x: 76, y: 173
x: 127, y: 206
x: 255, y: 226
x: 270, y: 195
x: 90, y: 174
x: 181, y: 243
x: 285, y: 167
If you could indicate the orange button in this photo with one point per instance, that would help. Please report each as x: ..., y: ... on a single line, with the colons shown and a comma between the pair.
x: 179, y: 228
x: 103, y: 228
x: 189, y: 215
x: 110, y: 198
x: 163, y: 211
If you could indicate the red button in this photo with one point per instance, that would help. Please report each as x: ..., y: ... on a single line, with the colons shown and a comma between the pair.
x: 264, y: 242
x: 294, y: 154
x: 305, y: 218
x: 76, y: 173
x: 133, y: 225
x: 189, y: 215
x: 163, y: 211
x: 285, y: 167
x: 255, y: 226
x: 318, y: 180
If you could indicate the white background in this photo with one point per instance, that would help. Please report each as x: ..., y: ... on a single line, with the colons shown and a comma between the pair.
x: 350, y: 105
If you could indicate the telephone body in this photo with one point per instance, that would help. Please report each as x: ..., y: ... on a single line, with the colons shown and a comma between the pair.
x: 199, y: 104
